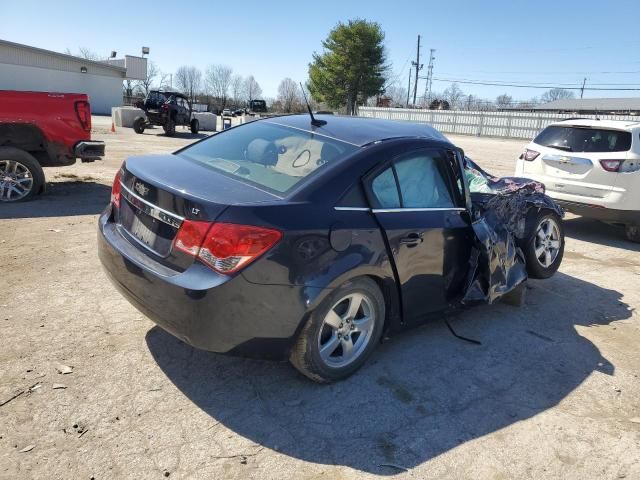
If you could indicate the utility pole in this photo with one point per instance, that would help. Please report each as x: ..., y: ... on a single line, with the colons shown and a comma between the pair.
x: 427, y: 87
x: 409, y: 87
x: 582, y: 89
x: 418, y: 68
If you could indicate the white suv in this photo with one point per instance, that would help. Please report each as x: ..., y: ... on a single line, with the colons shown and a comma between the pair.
x: 590, y: 167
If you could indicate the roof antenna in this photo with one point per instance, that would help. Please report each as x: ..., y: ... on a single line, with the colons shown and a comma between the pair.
x: 314, y: 121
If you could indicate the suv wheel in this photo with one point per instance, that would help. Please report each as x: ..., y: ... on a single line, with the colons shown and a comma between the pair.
x: 138, y: 125
x: 21, y: 176
x: 543, y: 246
x: 170, y: 127
x: 195, y: 126
x: 632, y: 232
x: 341, y: 333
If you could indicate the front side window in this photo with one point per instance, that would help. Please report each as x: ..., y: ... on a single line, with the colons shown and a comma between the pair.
x: 421, y: 181
x: 584, y: 139
x: 270, y: 156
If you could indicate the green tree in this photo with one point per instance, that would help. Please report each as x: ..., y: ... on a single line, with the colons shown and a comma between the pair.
x: 351, y: 68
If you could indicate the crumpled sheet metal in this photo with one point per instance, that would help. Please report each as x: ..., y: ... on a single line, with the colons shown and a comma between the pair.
x: 497, y: 264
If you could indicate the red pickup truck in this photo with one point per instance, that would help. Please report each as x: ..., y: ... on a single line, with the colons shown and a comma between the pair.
x: 41, y: 129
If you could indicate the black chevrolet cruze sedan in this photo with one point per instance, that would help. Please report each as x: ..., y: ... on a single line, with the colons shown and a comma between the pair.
x: 292, y: 238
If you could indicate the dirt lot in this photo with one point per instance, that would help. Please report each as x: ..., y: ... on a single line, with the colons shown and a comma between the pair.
x: 552, y: 392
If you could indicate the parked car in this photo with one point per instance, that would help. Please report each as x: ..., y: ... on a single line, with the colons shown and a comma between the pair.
x: 238, y: 112
x: 591, y: 168
x: 41, y: 129
x: 256, y: 106
x: 280, y: 239
x: 167, y: 109
x: 227, y: 112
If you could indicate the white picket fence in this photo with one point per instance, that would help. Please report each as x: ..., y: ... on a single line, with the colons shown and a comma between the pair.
x: 523, y: 125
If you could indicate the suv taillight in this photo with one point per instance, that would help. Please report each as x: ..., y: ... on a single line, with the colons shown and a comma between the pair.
x: 529, y: 155
x: 116, y: 189
x: 83, y: 111
x: 225, y: 247
x: 611, y: 165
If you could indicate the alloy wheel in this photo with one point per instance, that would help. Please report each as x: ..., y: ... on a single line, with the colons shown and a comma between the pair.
x: 547, y: 242
x: 16, y: 181
x: 346, y: 330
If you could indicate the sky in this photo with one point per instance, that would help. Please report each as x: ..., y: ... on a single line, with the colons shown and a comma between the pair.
x: 539, y: 42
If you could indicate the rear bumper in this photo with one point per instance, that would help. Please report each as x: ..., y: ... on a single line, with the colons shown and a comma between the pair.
x: 88, y: 151
x: 202, y: 308
x: 626, y: 217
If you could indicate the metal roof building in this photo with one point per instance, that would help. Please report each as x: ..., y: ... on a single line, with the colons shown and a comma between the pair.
x: 27, y: 68
x: 608, y: 106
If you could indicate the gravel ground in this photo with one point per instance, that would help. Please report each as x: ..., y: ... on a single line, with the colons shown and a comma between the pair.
x: 552, y: 392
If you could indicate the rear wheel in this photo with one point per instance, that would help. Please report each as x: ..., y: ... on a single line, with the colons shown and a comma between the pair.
x: 195, y: 126
x: 632, y: 232
x: 543, y: 246
x: 138, y: 125
x: 21, y: 176
x: 170, y: 127
x: 341, y: 333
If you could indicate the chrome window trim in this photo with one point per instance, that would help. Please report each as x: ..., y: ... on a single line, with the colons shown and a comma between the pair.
x: 153, y: 210
x: 352, y: 209
x: 434, y: 209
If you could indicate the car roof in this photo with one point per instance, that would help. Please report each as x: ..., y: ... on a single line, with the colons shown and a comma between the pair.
x: 360, y: 131
x: 168, y: 92
x: 607, y: 124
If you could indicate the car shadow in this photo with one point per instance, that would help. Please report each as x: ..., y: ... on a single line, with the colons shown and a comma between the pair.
x: 594, y: 231
x: 61, y: 199
x: 185, y: 134
x: 421, y: 394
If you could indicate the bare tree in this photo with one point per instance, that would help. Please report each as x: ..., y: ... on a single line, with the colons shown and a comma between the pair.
x: 556, y: 94
x: 152, y: 73
x: 188, y: 79
x: 217, y: 79
x: 166, y: 80
x: 454, y: 96
x: 289, y: 95
x: 397, y: 95
x: 503, y: 100
x: 84, y: 52
x: 236, y: 90
x: 252, y: 88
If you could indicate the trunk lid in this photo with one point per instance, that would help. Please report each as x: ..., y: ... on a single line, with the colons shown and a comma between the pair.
x: 160, y: 191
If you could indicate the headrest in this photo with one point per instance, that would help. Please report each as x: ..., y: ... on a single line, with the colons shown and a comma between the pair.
x: 262, y: 151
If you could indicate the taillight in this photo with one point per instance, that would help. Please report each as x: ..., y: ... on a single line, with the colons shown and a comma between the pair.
x: 83, y: 111
x: 225, y: 247
x: 611, y: 165
x: 529, y: 155
x: 116, y: 189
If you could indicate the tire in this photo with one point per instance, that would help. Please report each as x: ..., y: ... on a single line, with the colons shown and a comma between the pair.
x: 19, y: 170
x: 170, y: 127
x: 326, y: 367
x: 195, y: 126
x: 632, y: 232
x: 138, y: 125
x: 539, y: 266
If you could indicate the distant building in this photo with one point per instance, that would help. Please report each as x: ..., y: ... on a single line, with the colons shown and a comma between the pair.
x: 590, y: 106
x: 27, y: 68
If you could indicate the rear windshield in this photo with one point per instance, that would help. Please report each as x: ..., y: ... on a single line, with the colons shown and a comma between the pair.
x: 270, y: 156
x: 581, y: 139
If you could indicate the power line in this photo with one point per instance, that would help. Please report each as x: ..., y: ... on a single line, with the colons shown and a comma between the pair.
x: 461, y: 80
x: 520, y: 85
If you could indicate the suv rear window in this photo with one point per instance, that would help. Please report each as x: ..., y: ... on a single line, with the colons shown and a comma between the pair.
x: 584, y: 139
x: 270, y: 156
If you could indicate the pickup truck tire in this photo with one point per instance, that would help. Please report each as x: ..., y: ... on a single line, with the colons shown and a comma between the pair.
x: 195, y: 126
x: 632, y: 232
x: 352, y: 315
x: 19, y: 166
x: 544, y: 230
x: 138, y: 125
x: 170, y: 127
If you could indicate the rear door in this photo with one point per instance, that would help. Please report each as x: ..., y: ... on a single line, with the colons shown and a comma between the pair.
x: 577, y: 160
x: 426, y: 225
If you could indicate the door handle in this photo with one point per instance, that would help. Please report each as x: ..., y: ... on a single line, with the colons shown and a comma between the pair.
x: 412, y: 239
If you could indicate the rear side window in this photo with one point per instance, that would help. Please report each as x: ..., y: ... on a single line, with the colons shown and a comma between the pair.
x: 267, y: 155
x: 421, y: 180
x: 579, y: 139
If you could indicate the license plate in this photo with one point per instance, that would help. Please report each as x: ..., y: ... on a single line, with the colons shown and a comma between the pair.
x: 142, y: 232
